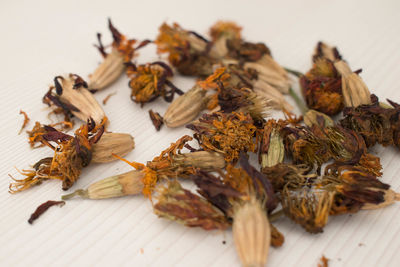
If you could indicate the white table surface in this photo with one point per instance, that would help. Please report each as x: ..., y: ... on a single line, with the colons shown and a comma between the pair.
x: 42, y: 39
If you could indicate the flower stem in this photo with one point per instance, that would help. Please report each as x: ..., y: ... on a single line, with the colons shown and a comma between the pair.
x: 294, y: 72
x: 80, y: 192
x: 303, y: 108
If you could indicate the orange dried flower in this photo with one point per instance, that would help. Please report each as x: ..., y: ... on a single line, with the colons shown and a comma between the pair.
x: 151, y: 81
x: 225, y: 133
x: 71, y: 154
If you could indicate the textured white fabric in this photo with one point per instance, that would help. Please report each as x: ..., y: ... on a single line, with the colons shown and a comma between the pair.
x: 41, y: 39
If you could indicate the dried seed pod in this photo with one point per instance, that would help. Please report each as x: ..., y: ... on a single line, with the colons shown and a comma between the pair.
x: 186, y: 107
x: 355, y: 91
x: 252, y: 234
x: 112, y: 143
x: 390, y: 197
x: 272, y: 149
x: 71, y: 95
x: 129, y: 183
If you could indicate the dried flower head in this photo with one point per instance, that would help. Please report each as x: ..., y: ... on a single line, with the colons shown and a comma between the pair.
x: 71, y: 154
x: 322, y: 87
x: 375, y: 123
x: 221, y: 32
x: 272, y: 149
x: 227, y: 133
x: 178, y: 204
x: 70, y: 94
x: 122, y: 51
x: 187, y: 50
x: 150, y: 81
x: 308, y: 207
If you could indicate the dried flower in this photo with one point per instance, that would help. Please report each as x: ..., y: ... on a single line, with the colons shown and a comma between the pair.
x: 187, y: 50
x: 376, y: 124
x: 156, y: 118
x: 313, y: 117
x: 35, y: 136
x: 71, y: 154
x: 113, y: 66
x: 151, y: 81
x: 227, y: 133
x: 178, y: 204
x: 221, y: 32
x: 70, y: 94
x: 129, y: 183
x: 322, y: 87
x: 308, y: 207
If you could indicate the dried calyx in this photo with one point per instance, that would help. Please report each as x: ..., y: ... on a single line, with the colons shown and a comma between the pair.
x: 150, y: 81
x: 113, y: 66
x: 71, y: 96
x: 71, y: 154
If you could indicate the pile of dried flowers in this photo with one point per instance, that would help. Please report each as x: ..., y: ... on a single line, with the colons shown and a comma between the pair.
x: 310, y: 167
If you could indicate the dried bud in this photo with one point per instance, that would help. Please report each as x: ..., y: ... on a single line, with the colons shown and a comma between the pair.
x: 204, y: 160
x: 178, y: 204
x: 186, y: 107
x: 129, y: 183
x: 252, y: 234
x: 112, y: 143
x: 271, y: 73
x: 151, y: 81
x: 108, y: 71
x: 71, y: 95
x: 355, y: 91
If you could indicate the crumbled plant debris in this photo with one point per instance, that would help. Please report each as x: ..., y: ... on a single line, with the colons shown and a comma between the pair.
x: 156, y: 119
x: 43, y: 208
x: 105, y: 100
x: 26, y: 121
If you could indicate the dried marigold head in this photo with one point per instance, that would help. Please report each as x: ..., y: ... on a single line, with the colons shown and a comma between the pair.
x: 181, y: 205
x: 322, y: 87
x: 150, y: 81
x: 225, y: 29
x: 374, y: 122
x: 227, y: 133
x: 246, y: 51
x: 71, y: 154
x: 236, y: 186
x: 113, y: 66
x: 70, y: 93
x: 308, y: 207
x: 187, y: 50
